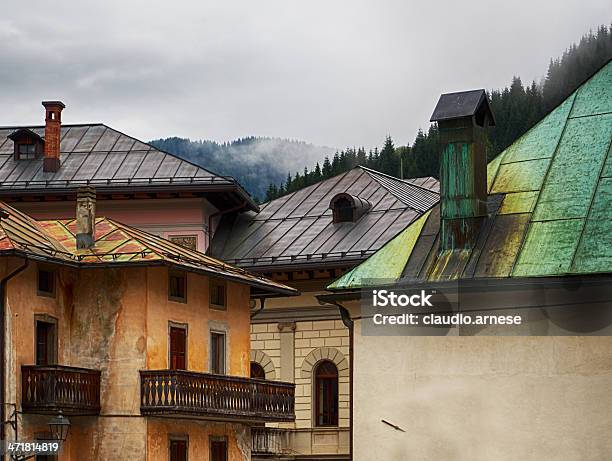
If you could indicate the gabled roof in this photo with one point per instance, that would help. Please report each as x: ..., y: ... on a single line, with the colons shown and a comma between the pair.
x: 550, y: 206
x: 100, y: 156
x: 297, y: 230
x: 116, y: 245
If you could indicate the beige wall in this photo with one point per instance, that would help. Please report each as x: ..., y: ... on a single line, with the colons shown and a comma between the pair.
x: 482, y: 397
x: 301, y: 345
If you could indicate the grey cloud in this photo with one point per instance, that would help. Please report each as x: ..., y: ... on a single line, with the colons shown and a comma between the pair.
x: 338, y: 73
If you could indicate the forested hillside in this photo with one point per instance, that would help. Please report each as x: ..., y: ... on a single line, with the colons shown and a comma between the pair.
x: 517, y: 108
x: 255, y: 162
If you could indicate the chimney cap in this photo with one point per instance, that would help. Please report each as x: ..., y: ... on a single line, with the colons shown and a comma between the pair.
x: 462, y: 104
x: 53, y: 104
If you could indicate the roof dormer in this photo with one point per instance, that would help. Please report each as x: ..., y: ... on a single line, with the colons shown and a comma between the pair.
x: 28, y: 145
x: 348, y: 208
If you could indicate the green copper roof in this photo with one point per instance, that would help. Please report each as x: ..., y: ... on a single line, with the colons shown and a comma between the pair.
x: 550, y: 205
x: 390, y: 263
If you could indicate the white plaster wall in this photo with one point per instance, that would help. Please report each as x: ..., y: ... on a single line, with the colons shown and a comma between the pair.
x: 482, y: 398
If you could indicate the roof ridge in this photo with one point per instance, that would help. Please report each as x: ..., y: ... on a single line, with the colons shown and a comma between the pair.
x: 404, y: 184
x: 404, y: 181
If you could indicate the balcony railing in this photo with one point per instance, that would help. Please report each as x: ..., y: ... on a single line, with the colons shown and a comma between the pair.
x: 48, y: 389
x: 172, y: 392
x: 269, y: 441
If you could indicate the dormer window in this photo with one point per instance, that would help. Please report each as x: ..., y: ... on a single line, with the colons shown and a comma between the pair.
x: 343, y: 210
x: 348, y: 208
x: 26, y: 151
x: 28, y: 144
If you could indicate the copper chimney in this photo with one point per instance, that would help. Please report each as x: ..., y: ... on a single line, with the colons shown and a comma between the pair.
x: 463, y: 119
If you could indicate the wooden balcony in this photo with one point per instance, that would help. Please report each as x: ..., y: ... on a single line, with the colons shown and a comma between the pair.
x: 269, y: 442
x: 49, y: 389
x: 185, y: 393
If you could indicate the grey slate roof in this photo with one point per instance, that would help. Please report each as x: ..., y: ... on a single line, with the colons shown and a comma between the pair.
x: 297, y: 229
x: 460, y: 104
x: 97, y: 155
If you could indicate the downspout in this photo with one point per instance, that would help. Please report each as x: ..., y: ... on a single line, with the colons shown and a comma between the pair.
x: 349, y: 323
x: 3, y: 284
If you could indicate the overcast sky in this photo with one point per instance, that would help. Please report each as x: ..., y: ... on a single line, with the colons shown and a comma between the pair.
x: 331, y: 72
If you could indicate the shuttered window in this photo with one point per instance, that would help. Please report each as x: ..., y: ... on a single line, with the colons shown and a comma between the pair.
x: 178, y: 348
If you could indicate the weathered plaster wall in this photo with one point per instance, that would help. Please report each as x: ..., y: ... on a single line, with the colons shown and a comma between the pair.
x: 199, y: 318
x: 482, y: 397
x: 116, y: 320
x: 238, y: 438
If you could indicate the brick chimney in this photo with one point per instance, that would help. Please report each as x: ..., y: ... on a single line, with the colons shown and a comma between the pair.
x: 86, y: 217
x: 463, y: 119
x: 53, y: 128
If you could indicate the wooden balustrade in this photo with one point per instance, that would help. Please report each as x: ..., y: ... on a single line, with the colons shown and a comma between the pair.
x: 48, y: 389
x: 171, y: 392
x: 269, y: 441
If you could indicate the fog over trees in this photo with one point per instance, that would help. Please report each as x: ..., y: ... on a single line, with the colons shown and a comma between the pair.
x: 271, y: 167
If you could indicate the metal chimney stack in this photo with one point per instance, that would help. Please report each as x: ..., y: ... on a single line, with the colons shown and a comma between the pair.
x: 463, y: 119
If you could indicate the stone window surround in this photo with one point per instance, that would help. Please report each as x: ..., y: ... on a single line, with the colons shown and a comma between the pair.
x: 309, y: 365
x: 265, y: 361
x: 216, y: 326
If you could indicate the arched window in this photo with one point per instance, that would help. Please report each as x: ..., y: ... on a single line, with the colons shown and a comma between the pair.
x: 257, y: 371
x: 343, y: 210
x: 326, y: 394
x: 348, y: 208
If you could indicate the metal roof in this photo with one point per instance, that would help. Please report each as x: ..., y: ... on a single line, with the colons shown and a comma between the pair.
x: 116, y: 245
x: 550, y: 206
x: 461, y: 104
x: 97, y: 155
x: 298, y: 230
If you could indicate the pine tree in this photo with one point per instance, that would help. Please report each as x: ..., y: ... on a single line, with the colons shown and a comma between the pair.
x: 327, y: 168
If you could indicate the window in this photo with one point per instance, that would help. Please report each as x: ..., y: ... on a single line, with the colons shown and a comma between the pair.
x: 217, y: 353
x: 46, y: 282
x: 343, y: 210
x: 187, y: 241
x: 46, y: 341
x: 177, y: 286
x: 326, y: 394
x: 217, y: 293
x: 178, y: 449
x: 218, y: 449
x: 27, y: 151
x: 257, y: 371
x: 178, y: 347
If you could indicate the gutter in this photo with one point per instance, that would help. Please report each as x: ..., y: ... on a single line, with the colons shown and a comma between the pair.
x: 3, y: 284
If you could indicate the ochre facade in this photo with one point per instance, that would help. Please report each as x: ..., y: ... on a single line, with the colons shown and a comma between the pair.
x: 117, y: 321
